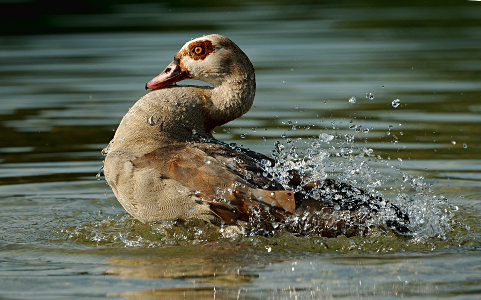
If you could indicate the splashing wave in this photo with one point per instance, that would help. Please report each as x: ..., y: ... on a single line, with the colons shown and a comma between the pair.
x: 339, y: 158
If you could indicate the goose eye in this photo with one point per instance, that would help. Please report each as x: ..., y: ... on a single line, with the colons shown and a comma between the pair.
x: 198, y: 50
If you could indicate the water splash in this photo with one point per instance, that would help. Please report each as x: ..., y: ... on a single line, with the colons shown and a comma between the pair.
x: 126, y: 232
x: 430, y: 214
x: 337, y: 157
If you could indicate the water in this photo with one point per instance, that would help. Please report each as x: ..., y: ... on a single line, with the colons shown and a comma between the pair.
x: 64, y: 89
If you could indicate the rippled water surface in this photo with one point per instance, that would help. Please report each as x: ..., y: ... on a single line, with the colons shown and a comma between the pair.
x: 386, y: 97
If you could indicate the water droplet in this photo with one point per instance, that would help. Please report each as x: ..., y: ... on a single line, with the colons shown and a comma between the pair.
x: 395, y: 103
x: 207, y: 161
x: 326, y: 138
x: 243, y: 136
x: 365, y: 130
x: 370, y: 96
x: 269, y: 249
x: 352, y: 100
x: 453, y: 142
x: 465, y: 146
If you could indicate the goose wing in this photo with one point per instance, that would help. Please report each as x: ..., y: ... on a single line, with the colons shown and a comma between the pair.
x: 230, y: 180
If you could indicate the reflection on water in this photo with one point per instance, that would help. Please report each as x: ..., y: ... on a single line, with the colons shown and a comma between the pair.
x: 413, y: 70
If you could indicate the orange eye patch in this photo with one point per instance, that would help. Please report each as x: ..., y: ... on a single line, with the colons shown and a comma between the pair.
x: 200, y: 49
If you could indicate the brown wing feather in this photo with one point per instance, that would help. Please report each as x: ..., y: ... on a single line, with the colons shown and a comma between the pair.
x: 245, y: 163
x: 223, y: 176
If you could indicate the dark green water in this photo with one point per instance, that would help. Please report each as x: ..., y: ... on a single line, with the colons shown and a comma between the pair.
x: 66, y: 80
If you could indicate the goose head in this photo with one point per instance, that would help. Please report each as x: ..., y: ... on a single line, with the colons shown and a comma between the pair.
x: 217, y: 60
x: 212, y: 58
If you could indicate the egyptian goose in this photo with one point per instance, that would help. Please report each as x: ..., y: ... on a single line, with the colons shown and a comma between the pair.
x: 163, y: 162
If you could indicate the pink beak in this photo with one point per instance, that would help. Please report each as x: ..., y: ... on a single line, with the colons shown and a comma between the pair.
x: 172, y: 74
